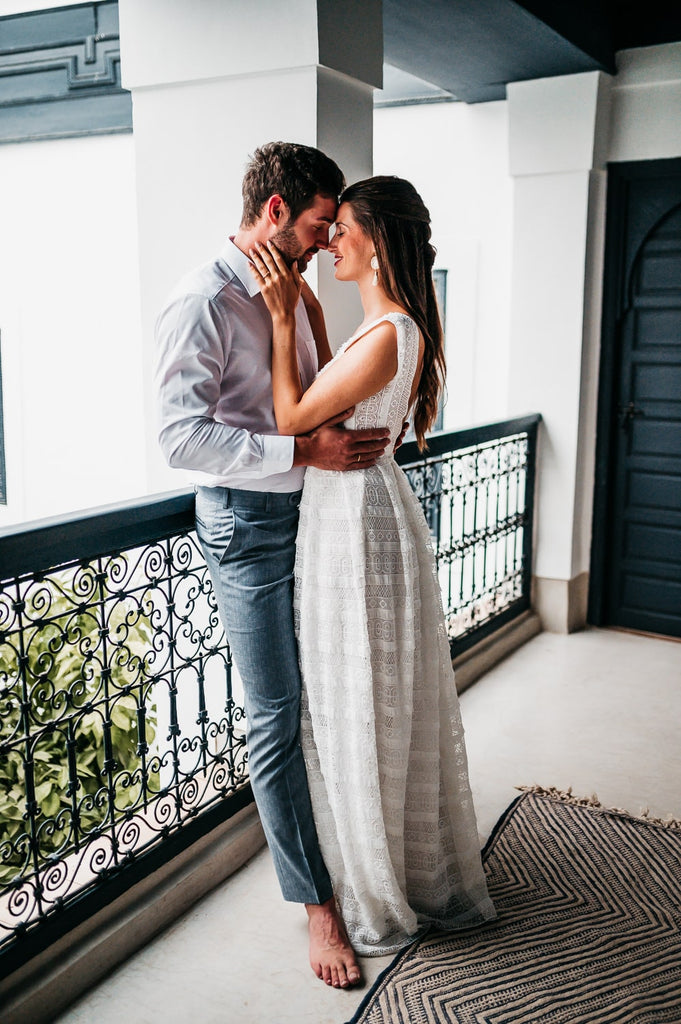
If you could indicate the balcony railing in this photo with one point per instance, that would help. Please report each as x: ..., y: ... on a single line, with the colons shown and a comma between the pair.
x: 121, y: 714
x: 476, y: 488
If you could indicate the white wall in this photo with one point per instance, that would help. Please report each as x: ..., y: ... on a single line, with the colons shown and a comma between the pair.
x: 517, y: 194
x: 646, y: 104
x: 559, y: 259
x: 457, y: 157
x: 69, y: 316
x: 72, y: 362
x: 553, y: 130
x: 217, y: 89
x: 75, y: 416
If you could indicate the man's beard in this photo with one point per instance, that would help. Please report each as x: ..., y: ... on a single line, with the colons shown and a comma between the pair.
x: 288, y: 244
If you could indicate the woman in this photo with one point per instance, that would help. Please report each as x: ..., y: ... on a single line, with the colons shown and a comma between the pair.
x: 381, y: 730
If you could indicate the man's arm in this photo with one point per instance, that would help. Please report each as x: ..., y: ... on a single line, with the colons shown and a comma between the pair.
x: 331, y: 446
x: 193, y: 346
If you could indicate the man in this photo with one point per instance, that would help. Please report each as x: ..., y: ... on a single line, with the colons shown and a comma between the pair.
x: 217, y: 417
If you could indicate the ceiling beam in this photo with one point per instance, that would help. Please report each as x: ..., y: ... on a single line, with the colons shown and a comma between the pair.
x: 473, y: 48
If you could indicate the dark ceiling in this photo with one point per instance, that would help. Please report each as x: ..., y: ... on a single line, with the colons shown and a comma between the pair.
x: 473, y: 48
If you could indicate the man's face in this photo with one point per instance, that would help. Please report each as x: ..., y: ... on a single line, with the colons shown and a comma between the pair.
x: 299, y: 240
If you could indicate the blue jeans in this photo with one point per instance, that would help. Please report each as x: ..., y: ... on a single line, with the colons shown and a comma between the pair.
x: 248, y: 540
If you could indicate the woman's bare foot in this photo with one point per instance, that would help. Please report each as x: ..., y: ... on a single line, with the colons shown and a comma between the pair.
x: 332, y: 958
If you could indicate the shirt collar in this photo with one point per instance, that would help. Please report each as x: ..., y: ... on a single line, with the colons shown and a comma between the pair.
x: 237, y: 261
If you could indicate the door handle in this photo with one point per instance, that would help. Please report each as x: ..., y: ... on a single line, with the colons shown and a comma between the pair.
x: 627, y: 413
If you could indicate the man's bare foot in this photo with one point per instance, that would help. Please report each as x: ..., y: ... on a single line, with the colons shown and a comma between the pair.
x: 332, y: 958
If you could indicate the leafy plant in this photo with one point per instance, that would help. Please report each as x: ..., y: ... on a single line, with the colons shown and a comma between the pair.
x: 82, y: 678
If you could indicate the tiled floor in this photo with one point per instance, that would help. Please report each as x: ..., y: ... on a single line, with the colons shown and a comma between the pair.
x: 599, y: 711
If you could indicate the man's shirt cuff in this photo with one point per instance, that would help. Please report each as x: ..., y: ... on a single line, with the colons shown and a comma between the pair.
x: 277, y: 454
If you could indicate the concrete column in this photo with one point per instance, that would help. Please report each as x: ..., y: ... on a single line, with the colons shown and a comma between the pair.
x: 210, y: 82
x: 558, y: 134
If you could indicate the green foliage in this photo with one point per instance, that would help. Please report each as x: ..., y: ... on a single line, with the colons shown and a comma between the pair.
x: 83, y: 675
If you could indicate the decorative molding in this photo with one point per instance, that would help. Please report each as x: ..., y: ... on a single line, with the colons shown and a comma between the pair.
x: 60, y: 74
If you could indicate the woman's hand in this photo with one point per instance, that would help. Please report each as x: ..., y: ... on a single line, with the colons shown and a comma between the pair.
x: 279, y: 284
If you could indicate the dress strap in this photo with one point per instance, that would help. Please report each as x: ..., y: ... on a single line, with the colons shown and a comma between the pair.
x: 369, y: 327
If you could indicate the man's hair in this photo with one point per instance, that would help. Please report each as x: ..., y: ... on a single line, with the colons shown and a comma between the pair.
x: 296, y: 173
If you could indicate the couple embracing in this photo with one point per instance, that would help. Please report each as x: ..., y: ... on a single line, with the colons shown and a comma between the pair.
x: 319, y: 553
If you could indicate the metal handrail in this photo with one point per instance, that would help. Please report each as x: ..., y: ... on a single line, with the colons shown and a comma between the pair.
x: 466, y: 470
x: 109, y: 635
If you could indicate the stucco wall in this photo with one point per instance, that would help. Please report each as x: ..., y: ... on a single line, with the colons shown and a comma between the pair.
x: 457, y: 156
x: 70, y: 326
x: 72, y: 359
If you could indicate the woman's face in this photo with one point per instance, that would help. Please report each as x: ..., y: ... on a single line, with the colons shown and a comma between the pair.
x: 350, y: 247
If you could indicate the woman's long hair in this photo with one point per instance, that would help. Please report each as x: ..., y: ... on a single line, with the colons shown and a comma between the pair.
x: 391, y: 212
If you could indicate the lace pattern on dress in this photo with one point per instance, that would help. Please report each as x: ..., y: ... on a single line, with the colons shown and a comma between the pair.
x: 381, y: 729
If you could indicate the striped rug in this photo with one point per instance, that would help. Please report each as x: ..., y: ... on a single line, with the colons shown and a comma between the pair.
x: 588, y: 929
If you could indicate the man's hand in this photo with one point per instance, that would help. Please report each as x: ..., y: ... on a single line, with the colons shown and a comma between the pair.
x: 403, y: 431
x: 331, y: 446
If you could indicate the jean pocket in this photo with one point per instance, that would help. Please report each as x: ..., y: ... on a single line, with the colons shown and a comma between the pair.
x: 225, y: 530
x: 215, y: 529
x: 204, y: 510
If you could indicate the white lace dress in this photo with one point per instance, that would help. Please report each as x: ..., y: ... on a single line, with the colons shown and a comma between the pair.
x: 381, y: 729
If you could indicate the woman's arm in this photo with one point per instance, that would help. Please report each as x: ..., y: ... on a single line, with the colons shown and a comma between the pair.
x: 364, y: 369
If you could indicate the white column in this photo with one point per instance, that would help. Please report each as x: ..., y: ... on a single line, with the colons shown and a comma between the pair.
x: 646, y: 104
x: 558, y: 132
x: 210, y: 82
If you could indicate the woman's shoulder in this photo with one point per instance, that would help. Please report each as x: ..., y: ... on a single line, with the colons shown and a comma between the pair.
x: 396, y: 317
x: 401, y: 317
x: 393, y: 328
x: 406, y: 327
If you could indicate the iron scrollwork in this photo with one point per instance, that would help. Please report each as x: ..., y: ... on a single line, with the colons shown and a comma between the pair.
x: 121, y: 713
x: 475, y: 501
x: 119, y: 720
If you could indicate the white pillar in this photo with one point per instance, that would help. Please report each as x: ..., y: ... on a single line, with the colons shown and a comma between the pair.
x: 558, y: 134
x: 210, y: 82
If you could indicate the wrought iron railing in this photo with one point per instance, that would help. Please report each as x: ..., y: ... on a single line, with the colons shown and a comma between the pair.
x: 121, y: 723
x: 121, y: 715
x: 476, y: 487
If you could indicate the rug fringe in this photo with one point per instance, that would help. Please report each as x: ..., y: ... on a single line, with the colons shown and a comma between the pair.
x: 566, y: 796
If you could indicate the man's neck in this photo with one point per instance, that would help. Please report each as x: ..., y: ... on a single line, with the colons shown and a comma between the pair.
x: 245, y: 238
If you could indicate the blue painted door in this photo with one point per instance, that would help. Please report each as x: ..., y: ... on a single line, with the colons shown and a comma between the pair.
x: 642, y: 531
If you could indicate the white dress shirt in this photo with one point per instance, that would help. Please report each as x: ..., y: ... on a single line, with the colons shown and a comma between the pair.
x: 214, y: 379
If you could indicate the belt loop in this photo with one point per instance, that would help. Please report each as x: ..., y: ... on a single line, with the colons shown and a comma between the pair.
x: 226, y: 497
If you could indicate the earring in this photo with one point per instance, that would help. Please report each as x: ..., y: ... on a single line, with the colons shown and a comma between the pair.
x: 374, y: 267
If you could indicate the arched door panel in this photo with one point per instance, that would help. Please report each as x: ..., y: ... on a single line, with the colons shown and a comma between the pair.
x: 636, y: 559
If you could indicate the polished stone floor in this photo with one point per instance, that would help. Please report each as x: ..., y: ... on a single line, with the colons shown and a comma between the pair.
x: 598, y: 711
